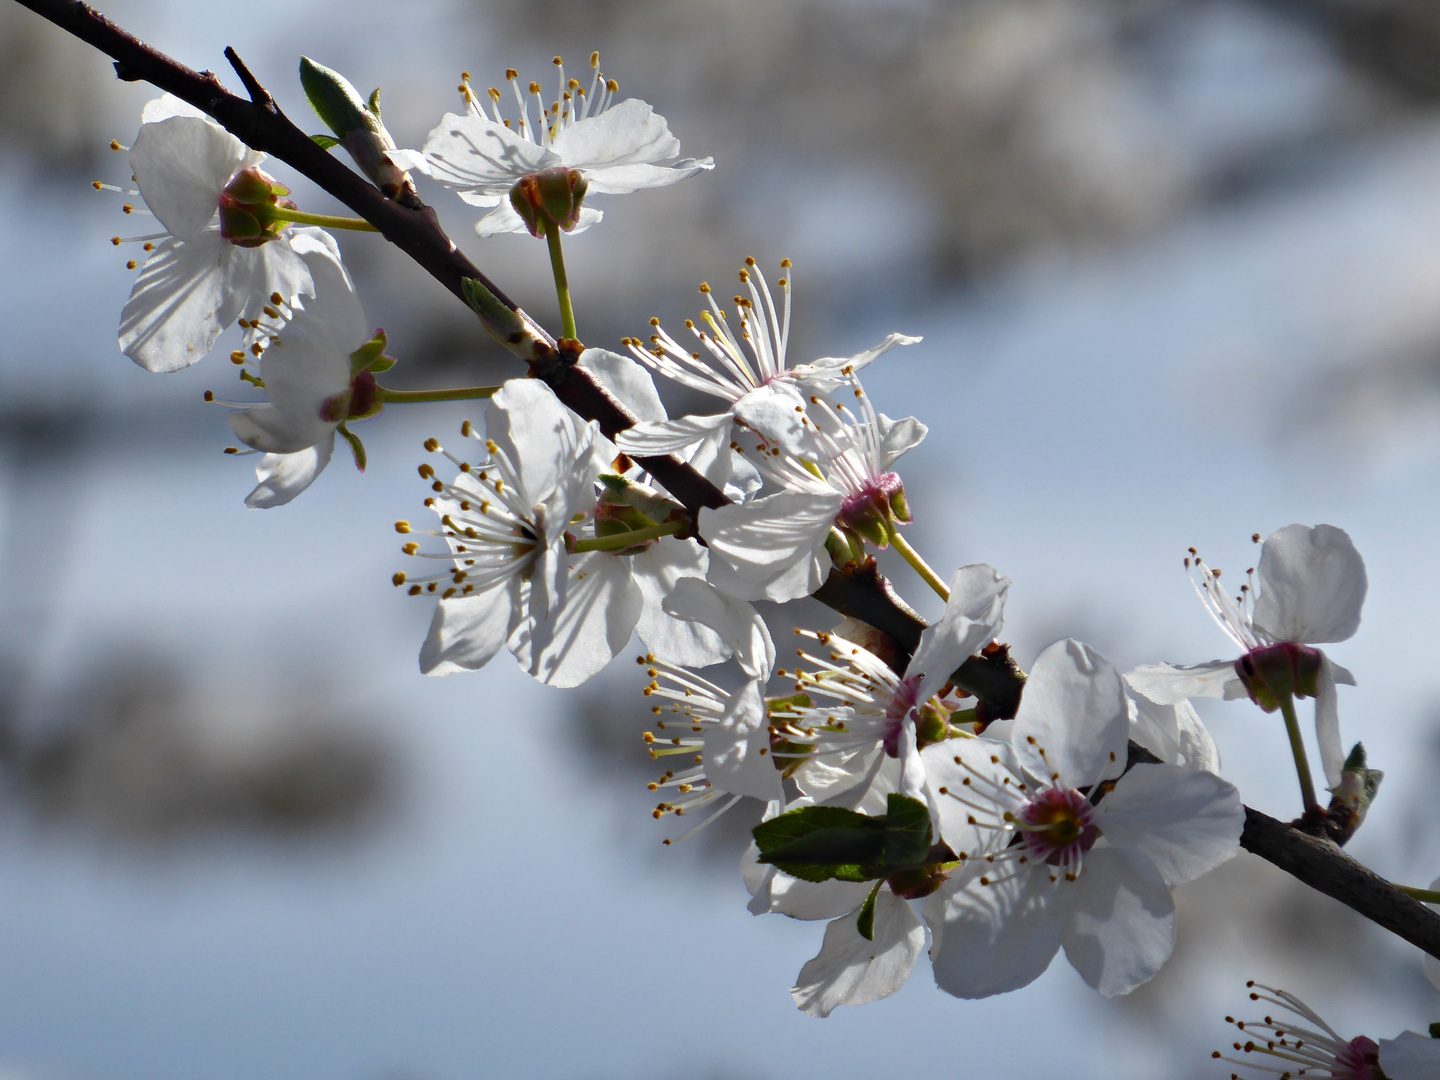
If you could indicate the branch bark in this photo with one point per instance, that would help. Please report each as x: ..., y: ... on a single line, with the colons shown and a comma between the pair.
x: 861, y: 593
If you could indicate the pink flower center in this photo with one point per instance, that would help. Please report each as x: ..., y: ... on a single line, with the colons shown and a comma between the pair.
x: 1360, y: 1060
x: 1058, y: 826
x: 901, y: 705
x: 873, y: 495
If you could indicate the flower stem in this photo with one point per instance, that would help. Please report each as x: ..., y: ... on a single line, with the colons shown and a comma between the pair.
x: 562, y: 287
x: 386, y: 396
x: 623, y: 540
x: 325, y: 221
x: 1297, y: 748
x: 1430, y: 896
x: 912, y: 556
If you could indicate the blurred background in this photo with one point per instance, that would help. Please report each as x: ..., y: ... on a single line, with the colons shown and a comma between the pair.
x: 1177, y: 267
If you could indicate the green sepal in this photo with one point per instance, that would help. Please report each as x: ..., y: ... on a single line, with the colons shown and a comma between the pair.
x: 356, y: 446
x: 335, y: 100
x: 325, y: 142
x: 907, y: 831
x: 866, y: 921
x: 371, y: 356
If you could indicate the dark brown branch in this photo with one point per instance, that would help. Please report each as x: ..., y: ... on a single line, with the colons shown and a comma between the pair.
x: 1327, y: 869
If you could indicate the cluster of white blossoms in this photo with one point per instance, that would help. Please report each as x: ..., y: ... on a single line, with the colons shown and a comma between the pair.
x: 934, y: 794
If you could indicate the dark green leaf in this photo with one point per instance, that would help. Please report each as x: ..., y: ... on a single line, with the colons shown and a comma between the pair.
x: 1435, y: 1031
x: 797, y: 823
x: 325, y: 142
x: 907, y: 831
x: 826, y: 871
x: 829, y: 846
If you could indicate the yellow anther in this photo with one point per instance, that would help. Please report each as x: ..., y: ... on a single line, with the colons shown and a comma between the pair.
x: 410, y: 548
x: 115, y: 145
x: 402, y: 527
x: 415, y: 590
x: 535, y: 88
x: 130, y: 264
x: 510, y: 74
x: 594, y: 59
x: 127, y: 209
x: 398, y: 579
x: 432, y: 445
x: 209, y: 395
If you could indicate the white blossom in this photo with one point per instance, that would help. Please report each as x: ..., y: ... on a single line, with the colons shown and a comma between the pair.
x: 1307, y: 1046
x: 1311, y: 587
x: 1091, y: 875
x: 857, y: 716
x: 743, y: 366
x: 773, y: 547
x: 716, y: 738
x: 196, y: 281
x: 618, y: 147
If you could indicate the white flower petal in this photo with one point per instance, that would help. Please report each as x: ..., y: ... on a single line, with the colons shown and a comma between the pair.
x: 627, y: 382
x: 734, y: 621
x: 620, y: 179
x: 1327, y: 724
x: 284, y: 476
x: 1073, y: 709
x: 1197, y: 749
x: 776, y: 410
x: 1120, y: 920
x: 898, y: 437
x: 775, y: 892
x: 773, y: 545
x: 1186, y: 822
x: 972, y: 618
x: 989, y: 939
x: 630, y: 133
x: 852, y: 971
x: 466, y: 631
x: 479, y: 156
x: 1154, y: 726
x: 670, y: 436
x: 657, y: 571
x: 588, y: 629
x: 1312, y: 585
x: 736, y: 748
x: 166, y: 106
x: 827, y: 372
x: 984, y: 766
x: 1170, y: 684
x: 829, y: 778
x: 178, y: 305
x: 180, y: 165
x: 280, y: 429
x: 1410, y: 1056
x: 550, y: 447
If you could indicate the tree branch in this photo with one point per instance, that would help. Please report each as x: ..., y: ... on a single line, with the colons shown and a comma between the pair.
x: 1327, y: 869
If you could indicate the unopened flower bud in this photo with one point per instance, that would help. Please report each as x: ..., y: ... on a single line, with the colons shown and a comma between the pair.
x: 246, y: 203
x: 1351, y: 798
x: 549, y: 197
x: 357, y: 125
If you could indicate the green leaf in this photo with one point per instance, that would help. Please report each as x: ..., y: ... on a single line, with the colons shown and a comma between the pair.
x: 325, y: 142
x: 830, y: 846
x: 374, y: 103
x: 826, y: 871
x: 907, y: 831
x: 866, y: 922
x: 798, y: 823
x: 1435, y: 1031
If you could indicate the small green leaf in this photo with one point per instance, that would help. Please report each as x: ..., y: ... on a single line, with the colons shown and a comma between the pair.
x: 866, y: 922
x: 1435, y: 1031
x: 829, y: 846
x: 374, y: 103
x: 826, y: 871
x: 797, y: 823
x: 907, y: 831
x: 325, y: 142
